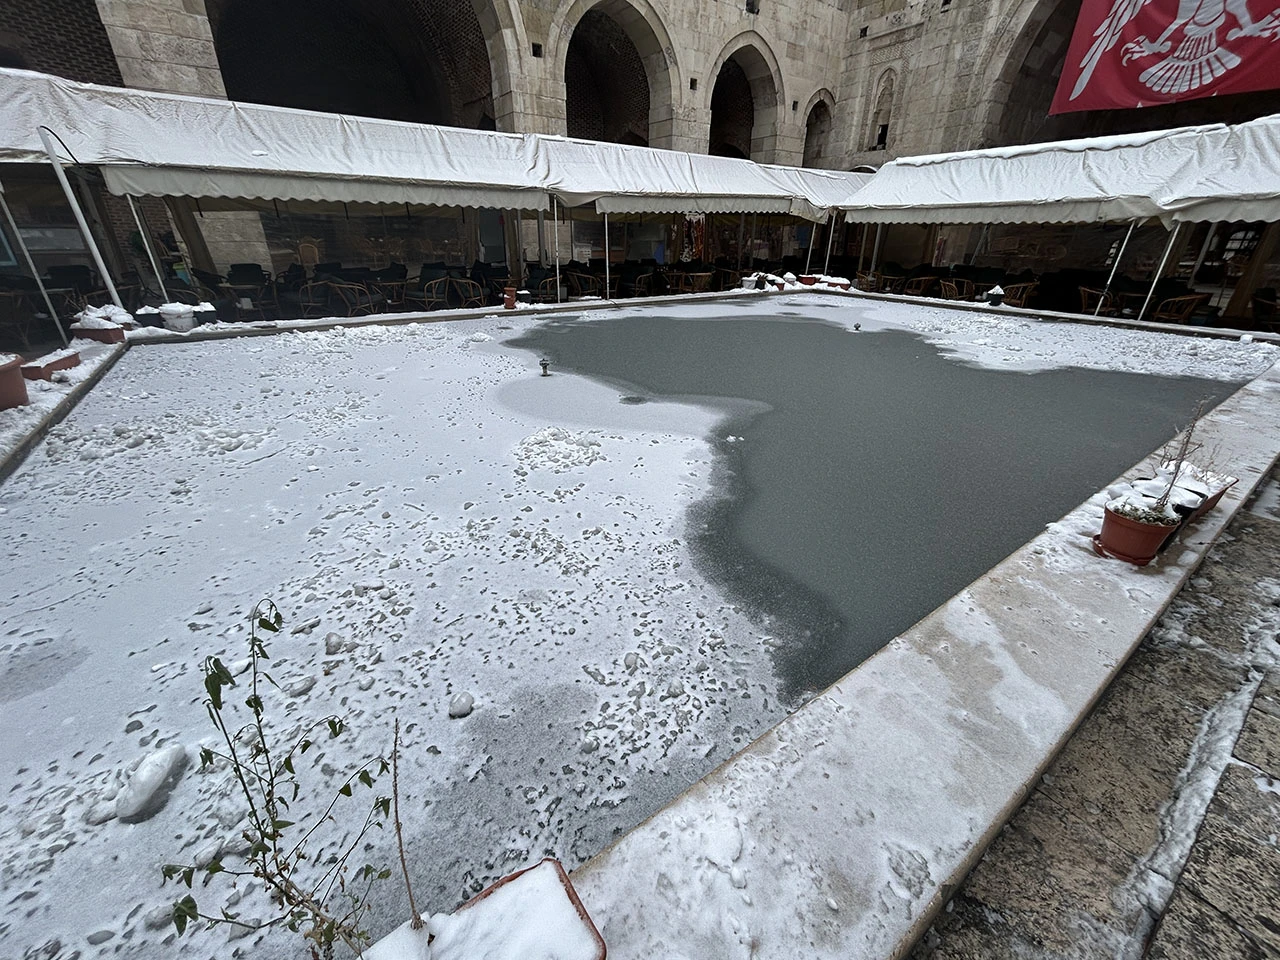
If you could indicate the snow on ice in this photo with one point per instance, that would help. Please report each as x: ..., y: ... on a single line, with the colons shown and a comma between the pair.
x: 440, y: 525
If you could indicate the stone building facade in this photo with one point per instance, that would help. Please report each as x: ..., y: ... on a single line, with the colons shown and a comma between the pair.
x: 827, y: 83
x: 840, y: 82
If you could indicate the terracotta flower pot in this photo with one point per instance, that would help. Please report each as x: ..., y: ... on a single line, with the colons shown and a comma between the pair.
x: 808, y: 279
x: 1211, y: 501
x: 1130, y: 540
x: 509, y: 298
x: 588, y: 928
x: 103, y: 335
x: 845, y: 285
x: 13, y: 387
x: 45, y: 371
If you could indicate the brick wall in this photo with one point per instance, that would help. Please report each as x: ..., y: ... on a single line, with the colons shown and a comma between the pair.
x: 62, y: 37
x: 606, y: 91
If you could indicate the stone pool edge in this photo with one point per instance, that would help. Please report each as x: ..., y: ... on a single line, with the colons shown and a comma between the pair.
x: 844, y: 830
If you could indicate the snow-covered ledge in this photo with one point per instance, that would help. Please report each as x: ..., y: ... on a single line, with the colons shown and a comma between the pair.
x: 843, y: 830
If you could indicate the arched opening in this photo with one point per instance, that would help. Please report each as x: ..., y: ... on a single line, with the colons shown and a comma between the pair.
x: 744, y: 107
x: 606, y: 89
x: 10, y: 57
x: 1032, y: 71
x: 618, y: 80
x: 423, y: 61
x: 881, y: 114
x: 817, y: 134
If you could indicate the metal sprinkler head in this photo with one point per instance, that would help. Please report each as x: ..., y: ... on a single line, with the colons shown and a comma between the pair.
x: 544, y: 364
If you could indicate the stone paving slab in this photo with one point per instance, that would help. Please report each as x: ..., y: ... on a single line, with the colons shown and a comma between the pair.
x: 1193, y: 928
x: 1124, y: 879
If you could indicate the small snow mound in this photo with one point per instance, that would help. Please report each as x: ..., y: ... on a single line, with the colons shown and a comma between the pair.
x: 558, y: 449
x: 149, y: 786
x: 101, y: 318
x: 461, y: 705
x: 479, y: 337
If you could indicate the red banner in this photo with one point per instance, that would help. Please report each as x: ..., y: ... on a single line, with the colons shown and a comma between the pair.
x: 1138, y: 53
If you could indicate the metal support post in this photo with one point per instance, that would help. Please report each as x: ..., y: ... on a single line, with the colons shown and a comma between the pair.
x: 1114, y: 267
x: 146, y: 242
x: 608, y: 288
x: 31, y: 265
x: 89, y: 242
x: 1159, y: 270
x: 555, y: 241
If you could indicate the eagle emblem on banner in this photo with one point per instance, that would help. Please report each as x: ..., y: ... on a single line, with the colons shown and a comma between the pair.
x: 1174, y: 57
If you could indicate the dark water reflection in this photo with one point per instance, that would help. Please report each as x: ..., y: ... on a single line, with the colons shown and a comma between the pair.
x: 882, y: 478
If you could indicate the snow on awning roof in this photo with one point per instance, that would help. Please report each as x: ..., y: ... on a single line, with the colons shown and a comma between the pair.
x: 163, y: 144
x: 1245, y: 183
x: 624, y: 179
x: 167, y: 145
x: 1130, y: 177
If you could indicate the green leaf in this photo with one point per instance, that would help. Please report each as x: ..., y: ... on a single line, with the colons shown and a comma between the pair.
x: 215, y: 866
x: 365, y: 778
x: 383, y: 804
x: 254, y: 703
x: 345, y: 790
x: 335, y: 726
x: 304, y: 746
x: 288, y: 764
x: 281, y: 824
x: 270, y: 624
x: 206, y: 757
x: 184, y: 910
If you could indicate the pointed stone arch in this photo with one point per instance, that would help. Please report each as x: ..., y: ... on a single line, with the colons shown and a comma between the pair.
x: 819, y: 114
x: 880, y: 130
x: 746, y: 58
x: 645, y: 33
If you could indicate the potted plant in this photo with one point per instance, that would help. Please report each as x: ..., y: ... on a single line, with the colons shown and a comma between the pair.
x: 995, y: 296
x: 47, y: 366
x: 1138, y: 522
x: 13, y: 387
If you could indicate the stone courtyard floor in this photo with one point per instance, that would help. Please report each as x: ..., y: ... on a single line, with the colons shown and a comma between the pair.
x: 1154, y: 832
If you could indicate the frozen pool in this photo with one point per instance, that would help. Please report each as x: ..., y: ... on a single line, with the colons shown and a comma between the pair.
x: 435, y: 518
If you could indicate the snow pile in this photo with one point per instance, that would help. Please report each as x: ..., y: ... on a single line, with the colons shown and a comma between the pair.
x: 558, y: 449
x: 150, y: 784
x: 528, y: 918
x: 45, y: 395
x: 109, y: 317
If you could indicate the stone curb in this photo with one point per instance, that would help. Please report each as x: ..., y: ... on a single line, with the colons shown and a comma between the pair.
x: 15, y: 457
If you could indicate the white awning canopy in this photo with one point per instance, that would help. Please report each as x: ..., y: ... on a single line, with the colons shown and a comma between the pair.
x: 1245, y: 182
x: 167, y: 145
x: 162, y: 144
x: 624, y: 179
x: 1130, y: 177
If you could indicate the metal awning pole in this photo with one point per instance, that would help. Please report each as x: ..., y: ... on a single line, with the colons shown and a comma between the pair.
x: 831, y: 235
x: 31, y: 265
x: 875, y: 254
x: 1114, y: 267
x: 808, y: 261
x: 742, y: 230
x: 1160, y: 270
x: 1204, y: 250
x: 555, y: 241
x: 862, y: 247
x: 608, y: 287
x: 146, y: 242
x: 79, y: 215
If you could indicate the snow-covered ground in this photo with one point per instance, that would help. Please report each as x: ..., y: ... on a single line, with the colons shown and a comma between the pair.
x: 434, y: 518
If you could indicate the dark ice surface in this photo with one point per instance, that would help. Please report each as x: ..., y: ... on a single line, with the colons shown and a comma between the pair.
x: 875, y: 478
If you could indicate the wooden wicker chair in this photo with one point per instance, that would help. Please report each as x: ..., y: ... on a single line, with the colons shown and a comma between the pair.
x: 869, y: 281
x: 1180, y: 309
x: 1090, y: 299
x: 919, y: 286
x: 357, y: 299
x: 431, y: 295
x: 468, y: 293
x: 1017, y: 294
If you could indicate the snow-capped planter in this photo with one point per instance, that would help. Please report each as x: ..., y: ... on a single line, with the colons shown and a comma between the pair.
x: 204, y: 312
x: 1134, y: 528
x: 533, y: 914
x: 47, y: 366
x: 148, y: 317
x: 178, y: 317
x: 808, y: 279
x: 13, y: 386
x: 104, y: 324
x: 995, y: 296
x: 508, y: 298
